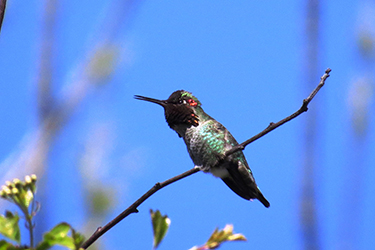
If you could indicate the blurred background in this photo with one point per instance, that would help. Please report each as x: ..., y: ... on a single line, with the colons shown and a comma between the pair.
x: 70, y: 69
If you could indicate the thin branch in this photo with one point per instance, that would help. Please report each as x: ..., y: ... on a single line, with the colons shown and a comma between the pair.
x: 133, y: 208
x: 3, y: 4
x: 273, y: 126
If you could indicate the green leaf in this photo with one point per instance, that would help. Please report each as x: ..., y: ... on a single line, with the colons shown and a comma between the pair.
x: 59, y: 231
x: 43, y: 245
x: 59, y: 236
x: 77, y: 238
x: 160, y: 226
x: 6, y: 246
x: 9, y: 226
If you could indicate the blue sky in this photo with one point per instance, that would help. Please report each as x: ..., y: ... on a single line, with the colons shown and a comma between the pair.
x: 245, y: 62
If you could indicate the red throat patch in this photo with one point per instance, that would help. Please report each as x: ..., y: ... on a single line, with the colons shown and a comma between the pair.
x: 192, y: 102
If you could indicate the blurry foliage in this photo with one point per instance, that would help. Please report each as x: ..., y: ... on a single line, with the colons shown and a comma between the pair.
x: 366, y: 44
x: 160, y: 226
x: 103, y: 63
x: 22, y: 194
x: 220, y: 236
x: 365, y: 30
x: 100, y: 200
x: 59, y: 235
x: 360, y: 99
x: 361, y: 91
x: 9, y: 226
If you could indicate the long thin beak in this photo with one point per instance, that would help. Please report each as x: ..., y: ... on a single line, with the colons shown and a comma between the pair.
x: 162, y: 103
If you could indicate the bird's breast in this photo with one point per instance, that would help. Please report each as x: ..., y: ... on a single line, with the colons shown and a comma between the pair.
x: 205, y: 145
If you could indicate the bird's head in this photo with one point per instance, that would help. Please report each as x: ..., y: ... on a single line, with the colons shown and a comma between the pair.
x: 179, y: 108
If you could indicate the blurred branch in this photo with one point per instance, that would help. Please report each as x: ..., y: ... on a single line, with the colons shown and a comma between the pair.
x: 133, y: 208
x: 36, y: 145
x: 308, y: 215
x: 3, y: 4
x: 44, y: 93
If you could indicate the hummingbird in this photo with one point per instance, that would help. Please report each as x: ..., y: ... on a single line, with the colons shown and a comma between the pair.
x: 207, y: 140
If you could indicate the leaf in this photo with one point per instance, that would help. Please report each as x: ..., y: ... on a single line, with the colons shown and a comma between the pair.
x: 100, y: 200
x: 160, y: 226
x: 59, y: 236
x: 219, y: 237
x: 103, y: 63
x: 9, y: 226
x: 6, y: 246
x: 77, y: 238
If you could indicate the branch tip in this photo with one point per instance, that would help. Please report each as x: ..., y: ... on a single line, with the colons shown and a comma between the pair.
x: 273, y: 126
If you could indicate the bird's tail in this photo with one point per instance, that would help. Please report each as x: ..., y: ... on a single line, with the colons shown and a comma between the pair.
x: 248, y: 194
x: 263, y: 200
